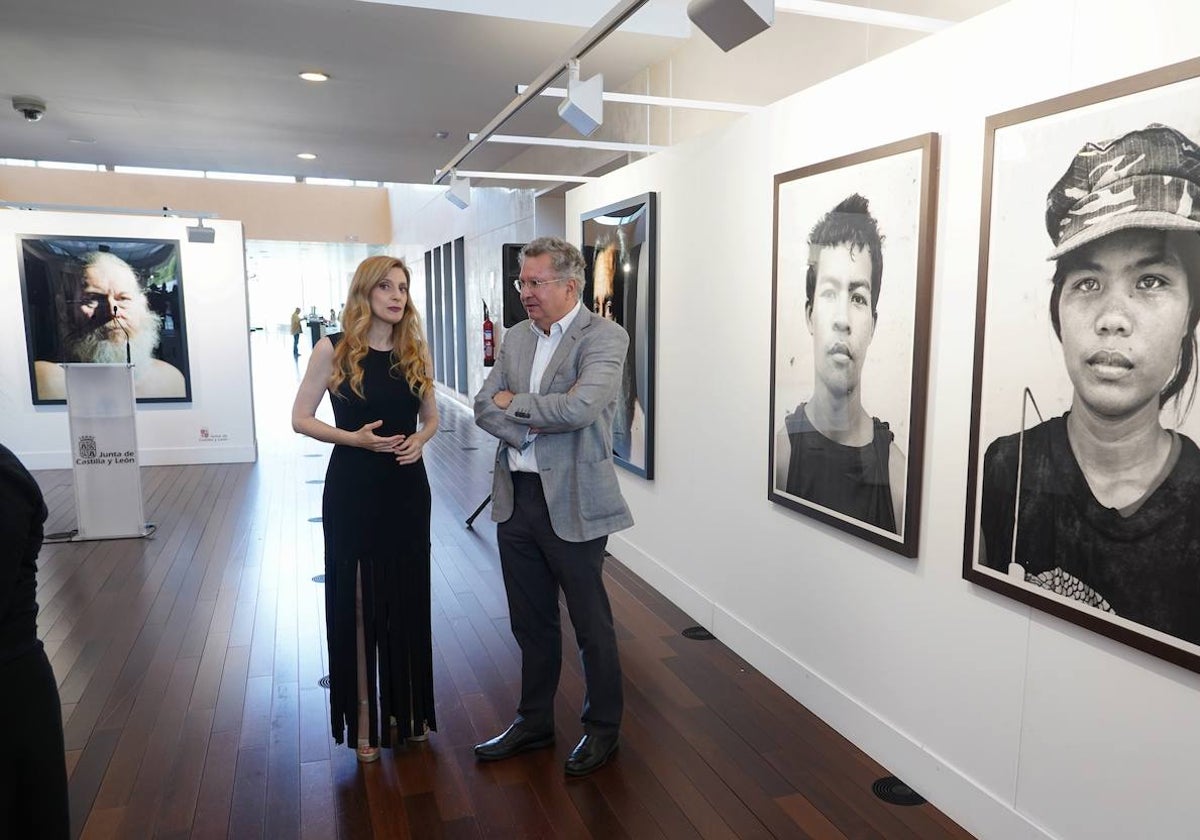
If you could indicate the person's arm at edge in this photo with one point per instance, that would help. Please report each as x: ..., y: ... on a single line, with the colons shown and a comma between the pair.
x: 21, y: 518
x: 16, y: 514
x: 897, y: 478
x: 997, y: 505
x: 169, y: 373
x: 51, y: 380
x: 783, y: 458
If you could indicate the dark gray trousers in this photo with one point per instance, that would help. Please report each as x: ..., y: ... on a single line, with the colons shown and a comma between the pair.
x: 536, y: 563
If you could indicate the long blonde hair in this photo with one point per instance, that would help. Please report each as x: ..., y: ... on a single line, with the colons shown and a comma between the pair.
x: 409, y: 350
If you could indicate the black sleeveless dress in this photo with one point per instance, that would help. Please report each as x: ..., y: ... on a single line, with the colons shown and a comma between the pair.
x: 375, y: 514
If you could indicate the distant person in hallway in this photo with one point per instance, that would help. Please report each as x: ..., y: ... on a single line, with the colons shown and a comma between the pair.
x: 106, y: 310
x: 1100, y: 505
x: 295, y: 328
x: 33, y: 771
x: 550, y: 399
x: 830, y: 451
x: 375, y: 510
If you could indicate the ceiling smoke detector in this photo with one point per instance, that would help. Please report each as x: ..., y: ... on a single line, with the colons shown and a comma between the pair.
x: 30, y: 107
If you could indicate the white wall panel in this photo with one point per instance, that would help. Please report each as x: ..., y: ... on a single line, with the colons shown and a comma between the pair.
x: 214, y: 293
x: 423, y: 219
x: 1015, y: 723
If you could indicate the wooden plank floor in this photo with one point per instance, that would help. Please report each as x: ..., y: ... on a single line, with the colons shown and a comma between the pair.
x: 189, y: 668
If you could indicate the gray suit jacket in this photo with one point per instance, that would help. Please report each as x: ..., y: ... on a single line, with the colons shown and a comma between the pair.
x: 573, y: 413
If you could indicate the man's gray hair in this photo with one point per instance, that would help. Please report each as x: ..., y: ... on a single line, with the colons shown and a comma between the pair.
x: 565, y: 259
x: 109, y: 260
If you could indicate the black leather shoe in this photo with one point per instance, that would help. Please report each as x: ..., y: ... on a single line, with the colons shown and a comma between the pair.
x: 590, y: 754
x: 512, y: 741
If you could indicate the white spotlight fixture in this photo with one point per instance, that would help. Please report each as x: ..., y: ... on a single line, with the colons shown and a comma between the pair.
x: 314, y: 76
x: 459, y: 193
x: 728, y: 23
x: 306, y: 156
x: 583, y: 109
x: 199, y: 233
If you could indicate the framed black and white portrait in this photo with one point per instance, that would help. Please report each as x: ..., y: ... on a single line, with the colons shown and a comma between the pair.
x: 853, y: 260
x: 1084, y: 478
x: 620, y: 249
x: 89, y: 299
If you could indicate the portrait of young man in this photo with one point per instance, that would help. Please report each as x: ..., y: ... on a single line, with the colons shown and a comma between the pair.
x: 830, y: 450
x: 105, y: 301
x: 853, y: 265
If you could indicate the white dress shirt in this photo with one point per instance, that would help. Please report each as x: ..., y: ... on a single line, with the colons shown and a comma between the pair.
x: 525, y: 458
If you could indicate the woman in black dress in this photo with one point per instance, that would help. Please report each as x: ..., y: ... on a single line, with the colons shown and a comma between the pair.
x: 375, y: 510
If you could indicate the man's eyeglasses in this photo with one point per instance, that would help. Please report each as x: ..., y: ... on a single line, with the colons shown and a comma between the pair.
x: 530, y: 285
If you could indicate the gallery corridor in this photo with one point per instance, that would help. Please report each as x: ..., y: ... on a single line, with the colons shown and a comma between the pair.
x: 190, y: 669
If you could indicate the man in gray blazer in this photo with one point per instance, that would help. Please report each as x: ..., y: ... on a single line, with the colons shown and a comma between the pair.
x: 550, y: 400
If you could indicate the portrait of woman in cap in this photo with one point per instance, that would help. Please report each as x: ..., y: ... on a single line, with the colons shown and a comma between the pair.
x: 1099, y: 504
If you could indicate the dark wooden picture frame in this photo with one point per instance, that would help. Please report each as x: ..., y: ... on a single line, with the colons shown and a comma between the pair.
x: 623, y: 236
x: 511, y: 310
x: 820, y: 367
x: 64, y: 314
x: 1023, y: 393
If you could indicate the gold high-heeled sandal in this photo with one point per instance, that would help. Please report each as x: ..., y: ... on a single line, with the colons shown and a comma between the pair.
x: 365, y: 752
x: 424, y: 736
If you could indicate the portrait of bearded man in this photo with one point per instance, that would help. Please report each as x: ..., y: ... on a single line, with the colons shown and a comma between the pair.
x: 103, y: 314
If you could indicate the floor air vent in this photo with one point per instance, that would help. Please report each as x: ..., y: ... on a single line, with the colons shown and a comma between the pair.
x: 894, y: 792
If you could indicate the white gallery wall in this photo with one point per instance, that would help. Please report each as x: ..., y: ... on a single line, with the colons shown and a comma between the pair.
x: 1014, y: 722
x: 422, y: 219
x: 217, y: 426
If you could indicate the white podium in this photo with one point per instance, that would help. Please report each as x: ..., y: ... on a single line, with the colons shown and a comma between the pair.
x: 108, y: 483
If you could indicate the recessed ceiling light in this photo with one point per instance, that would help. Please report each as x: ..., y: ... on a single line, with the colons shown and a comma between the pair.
x: 314, y: 76
x: 306, y: 156
x: 84, y: 140
x: 441, y: 135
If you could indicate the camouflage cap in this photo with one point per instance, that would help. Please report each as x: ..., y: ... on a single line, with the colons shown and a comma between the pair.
x: 1149, y: 178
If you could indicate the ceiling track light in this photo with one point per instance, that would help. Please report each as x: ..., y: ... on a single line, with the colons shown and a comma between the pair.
x: 527, y: 176
x: 583, y: 109
x: 660, y: 101
x: 862, y: 14
x: 572, y: 143
x: 199, y: 233
x: 459, y: 192
x: 728, y: 23
x: 615, y: 16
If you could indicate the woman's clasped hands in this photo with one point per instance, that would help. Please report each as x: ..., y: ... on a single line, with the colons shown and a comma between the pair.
x: 407, y: 448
